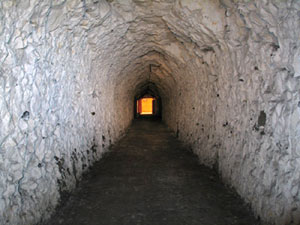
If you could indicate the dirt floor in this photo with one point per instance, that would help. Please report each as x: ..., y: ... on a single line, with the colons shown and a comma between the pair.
x: 150, y: 178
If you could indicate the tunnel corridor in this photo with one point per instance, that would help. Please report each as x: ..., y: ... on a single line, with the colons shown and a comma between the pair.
x: 225, y: 76
x: 150, y: 178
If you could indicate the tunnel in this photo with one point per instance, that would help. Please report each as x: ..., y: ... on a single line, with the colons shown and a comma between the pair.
x: 225, y: 74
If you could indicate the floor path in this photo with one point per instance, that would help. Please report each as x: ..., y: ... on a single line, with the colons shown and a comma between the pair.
x: 148, y: 177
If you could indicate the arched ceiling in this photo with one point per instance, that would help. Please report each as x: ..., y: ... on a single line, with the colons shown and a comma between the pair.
x: 151, y: 41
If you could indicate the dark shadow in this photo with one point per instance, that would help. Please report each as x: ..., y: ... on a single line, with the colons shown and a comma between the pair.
x: 148, y: 118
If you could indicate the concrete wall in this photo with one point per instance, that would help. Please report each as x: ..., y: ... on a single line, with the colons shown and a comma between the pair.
x: 227, y: 72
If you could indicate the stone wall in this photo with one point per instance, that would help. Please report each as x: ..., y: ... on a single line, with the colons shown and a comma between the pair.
x: 227, y: 72
x: 261, y: 155
x: 55, y: 113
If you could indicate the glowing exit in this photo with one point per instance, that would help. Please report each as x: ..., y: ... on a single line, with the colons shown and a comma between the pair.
x: 145, y: 106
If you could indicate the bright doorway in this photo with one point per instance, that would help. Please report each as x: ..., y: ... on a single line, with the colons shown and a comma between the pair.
x: 145, y: 106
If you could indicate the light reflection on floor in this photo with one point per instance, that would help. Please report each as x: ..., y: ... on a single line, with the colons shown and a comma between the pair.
x: 146, y: 113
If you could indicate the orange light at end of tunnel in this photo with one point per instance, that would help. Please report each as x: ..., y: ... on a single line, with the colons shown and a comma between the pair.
x: 147, y: 106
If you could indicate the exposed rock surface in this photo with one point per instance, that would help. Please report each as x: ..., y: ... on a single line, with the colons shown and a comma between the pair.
x: 227, y: 71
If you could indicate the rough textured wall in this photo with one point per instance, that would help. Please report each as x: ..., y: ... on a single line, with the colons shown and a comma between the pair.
x: 246, y: 118
x: 55, y: 119
x: 258, y: 127
x: 227, y: 72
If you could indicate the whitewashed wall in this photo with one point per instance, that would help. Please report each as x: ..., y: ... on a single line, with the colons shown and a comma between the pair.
x: 227, y: 71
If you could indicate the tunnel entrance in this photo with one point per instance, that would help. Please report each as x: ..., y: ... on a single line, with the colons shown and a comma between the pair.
x: 147, y: 106
x: 147, y: 101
